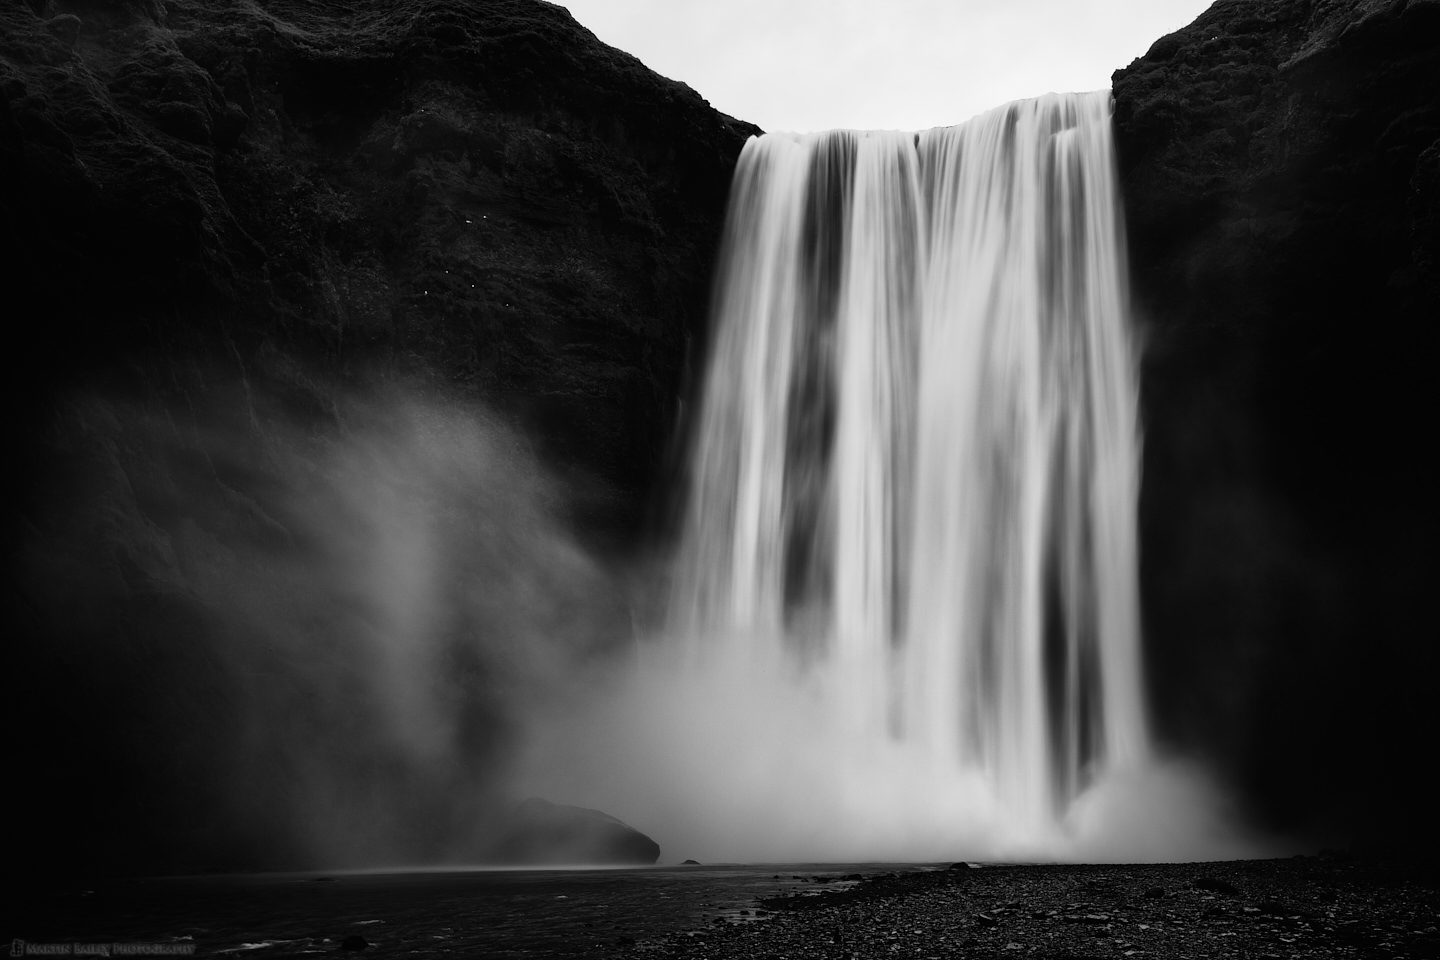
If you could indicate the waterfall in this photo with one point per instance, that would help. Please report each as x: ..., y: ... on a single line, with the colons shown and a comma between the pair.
x: 913, y: 482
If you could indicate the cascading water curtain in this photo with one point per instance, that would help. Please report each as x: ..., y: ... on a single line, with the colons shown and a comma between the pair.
x: 914, y: 475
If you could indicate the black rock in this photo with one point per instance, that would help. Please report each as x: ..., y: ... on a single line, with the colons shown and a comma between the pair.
x: 1280, y: 165
x: 65, y: 28
x: 354, y: 942
x: 1217, y: 885
x: 543, y: 832
x: 518, y: 192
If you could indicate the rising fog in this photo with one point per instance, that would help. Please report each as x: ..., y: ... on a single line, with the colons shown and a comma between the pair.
x: 295, y: 626
x: 291, y: 625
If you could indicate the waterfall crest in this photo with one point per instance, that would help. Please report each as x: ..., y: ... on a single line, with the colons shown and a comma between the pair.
x: 914, y: 471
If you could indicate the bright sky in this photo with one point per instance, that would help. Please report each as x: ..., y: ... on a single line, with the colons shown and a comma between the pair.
x: 807, y: 65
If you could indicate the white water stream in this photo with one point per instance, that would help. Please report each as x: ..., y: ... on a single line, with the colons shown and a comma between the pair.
x: 915, y: 473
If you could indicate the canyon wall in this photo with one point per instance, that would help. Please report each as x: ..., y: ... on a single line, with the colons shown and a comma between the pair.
x: 482, y: 194
x: 345, y: 338
x: 1281, y: 167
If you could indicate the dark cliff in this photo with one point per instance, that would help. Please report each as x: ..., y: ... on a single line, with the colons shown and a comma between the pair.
x: 480, y: 192
x: 1281, y: 165
x: 330, y: 322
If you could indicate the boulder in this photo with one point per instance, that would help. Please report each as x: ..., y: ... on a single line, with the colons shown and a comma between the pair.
x: 541, y: 832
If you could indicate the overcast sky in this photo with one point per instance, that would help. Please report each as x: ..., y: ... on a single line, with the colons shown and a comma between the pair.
x: 881, y: 64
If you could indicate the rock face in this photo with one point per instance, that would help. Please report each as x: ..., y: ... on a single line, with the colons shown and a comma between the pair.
x: 481, y: 192
x: 543, y: 832
x: 1279, y: 161
x: 318, y: 300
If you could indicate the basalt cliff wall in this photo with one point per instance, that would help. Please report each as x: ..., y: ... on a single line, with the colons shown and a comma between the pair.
x: 1281, y: 168
x: 345, y: 337
x: 478, y: 193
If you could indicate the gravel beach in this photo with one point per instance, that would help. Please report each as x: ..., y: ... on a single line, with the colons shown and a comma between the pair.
x: 1326, y: 906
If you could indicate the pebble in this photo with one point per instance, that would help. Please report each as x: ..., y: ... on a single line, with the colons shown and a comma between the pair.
x: 924, y: 915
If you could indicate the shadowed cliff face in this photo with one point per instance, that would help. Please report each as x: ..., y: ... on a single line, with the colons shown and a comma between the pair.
x: 1280, y: 167
x: 294, y: 280
x: 479, y: 191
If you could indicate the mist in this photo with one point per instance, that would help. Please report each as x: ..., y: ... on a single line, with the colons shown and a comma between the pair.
x: 728, y: 761
x: 355, y: 631
x: 292, y: 625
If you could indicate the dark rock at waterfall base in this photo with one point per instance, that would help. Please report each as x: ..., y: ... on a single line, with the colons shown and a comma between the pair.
x: 540, y: 832
x: 690, y: 863
x: 354, y: 942
x: 1281, y: 168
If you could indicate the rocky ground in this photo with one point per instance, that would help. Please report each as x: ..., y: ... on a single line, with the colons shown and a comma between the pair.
x: 1328, y: 906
